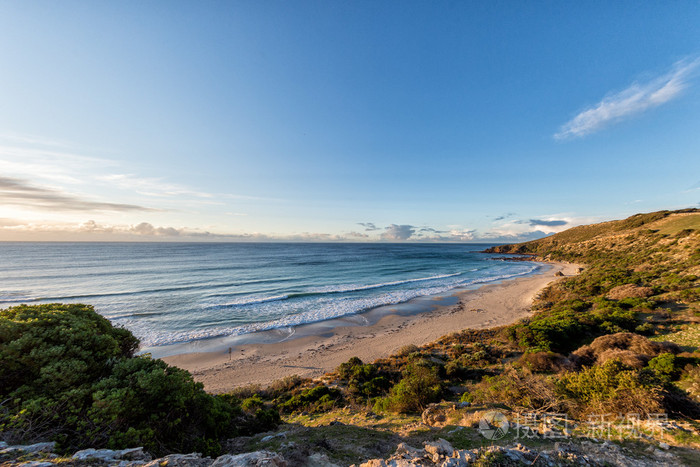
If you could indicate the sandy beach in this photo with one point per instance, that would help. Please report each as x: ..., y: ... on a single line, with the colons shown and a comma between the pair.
x: 313, y: 355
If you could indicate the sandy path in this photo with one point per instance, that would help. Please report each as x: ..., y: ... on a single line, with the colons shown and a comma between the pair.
x: 312, y: 356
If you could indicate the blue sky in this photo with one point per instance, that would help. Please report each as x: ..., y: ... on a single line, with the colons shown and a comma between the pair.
x: 343, y: 121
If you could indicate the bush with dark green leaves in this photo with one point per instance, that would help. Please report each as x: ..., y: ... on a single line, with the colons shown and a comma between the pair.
x: 319, y: 398
x: 363, y: 380
x: 419, y: 386
x: 68, y: 375
x: 664, y: 367
x: 570, y: 324
x: 612, y: 387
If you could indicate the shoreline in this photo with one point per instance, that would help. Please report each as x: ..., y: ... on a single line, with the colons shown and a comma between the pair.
x: 321, y: 347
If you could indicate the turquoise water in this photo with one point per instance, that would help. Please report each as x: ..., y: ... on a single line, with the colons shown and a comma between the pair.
x: 168, y: 293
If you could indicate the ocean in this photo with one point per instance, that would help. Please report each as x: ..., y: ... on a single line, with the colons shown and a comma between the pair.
x: 170, y: 293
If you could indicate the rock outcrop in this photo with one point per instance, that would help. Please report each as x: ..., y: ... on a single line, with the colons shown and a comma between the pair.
x: 442, y: 454
x: 41, y: 455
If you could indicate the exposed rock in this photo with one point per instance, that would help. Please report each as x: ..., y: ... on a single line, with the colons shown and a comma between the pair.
x: 108, y: 455
x: 319, y: 460
x: 439, y: 448
x: 276, y: 435
x: 559, y: 274
x: 454, y: 462
x: 374, y: 463
x: 181, y: 460
x: 563, y: 454
x: 434, y: 415
x: 29, y: 449
x: 406, y: 451
x: 251, y: 459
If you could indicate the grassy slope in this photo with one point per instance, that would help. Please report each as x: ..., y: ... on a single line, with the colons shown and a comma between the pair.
x: 587, y: 241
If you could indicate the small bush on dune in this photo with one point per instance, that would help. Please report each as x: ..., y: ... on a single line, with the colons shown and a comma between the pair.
x: 285, y: 385
x: 632, y: 349
x: 544, y: 362
x: 611, y: 388
x: 363, y: 380
x: 407, y: 350
x: 419, y: 386
x: 519, y: 389
x: 555, y: 331
x: 244, y: 392
x: 663, y: 366
x: 629, y: 291
x: 319, y: 398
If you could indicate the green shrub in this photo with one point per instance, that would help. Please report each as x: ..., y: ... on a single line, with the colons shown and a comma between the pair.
x: 611, y: 388
x: 284, y: 386
x: 66, y: 374
x: 419, y: 386
x: 646, y: 329
x: 316, y: 399
x: 147, y: 403
x: 568, y: 325
x: 518, y: 388
x: 407, y: 350
x: 363, y: 380
x: 664, y: 367
x: 543, y: 362
x: 52, y: 348
x: 455, y: 370
x: 253, y: 402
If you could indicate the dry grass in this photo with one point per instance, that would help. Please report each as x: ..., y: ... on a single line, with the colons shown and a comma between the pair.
x: 634, y: 350
x: 676, y: 223
x: 687, y: 337
x: 629, y: 291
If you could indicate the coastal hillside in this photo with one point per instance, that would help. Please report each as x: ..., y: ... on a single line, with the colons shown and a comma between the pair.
x: 588, y: 242
x: 604, y: 371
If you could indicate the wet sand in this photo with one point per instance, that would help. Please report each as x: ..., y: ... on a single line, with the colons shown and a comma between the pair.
x: 320, y: 348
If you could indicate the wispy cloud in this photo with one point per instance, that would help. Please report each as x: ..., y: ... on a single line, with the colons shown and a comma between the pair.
x: 633, y: 100
x: 505, y: 216
x: 48, y: 163
x: 150, y: 186
x: 18, y: 192
x: 61, y: 167
x: 431, y: 230
x: 369, y: 226
x: 547, y: 223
